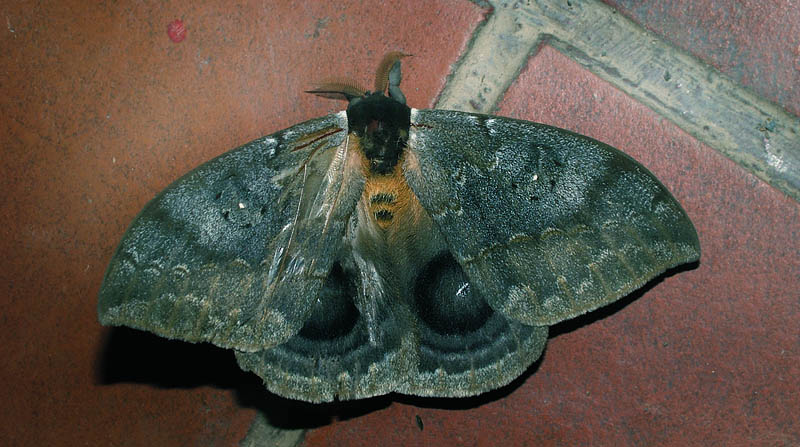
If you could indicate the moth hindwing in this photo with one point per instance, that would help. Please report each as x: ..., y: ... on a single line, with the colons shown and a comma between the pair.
x: 385, y: 248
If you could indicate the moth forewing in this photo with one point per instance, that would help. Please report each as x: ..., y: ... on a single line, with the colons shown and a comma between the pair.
x: 500, y: 218
x: 204, y: 248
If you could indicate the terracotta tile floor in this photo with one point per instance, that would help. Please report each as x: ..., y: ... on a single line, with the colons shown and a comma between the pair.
x: 100, y: 111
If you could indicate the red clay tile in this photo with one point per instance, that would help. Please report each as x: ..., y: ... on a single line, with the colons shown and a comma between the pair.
x: 101, y: 110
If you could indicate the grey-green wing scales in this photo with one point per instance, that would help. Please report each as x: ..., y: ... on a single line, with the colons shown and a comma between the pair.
x: 546, y: 223
x: 235, y: 252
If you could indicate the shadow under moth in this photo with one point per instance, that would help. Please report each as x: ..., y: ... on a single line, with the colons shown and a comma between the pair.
x: 389, y: 249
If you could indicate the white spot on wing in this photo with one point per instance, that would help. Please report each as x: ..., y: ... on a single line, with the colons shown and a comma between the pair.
x: 284, y: 173
x: 490, y: 126
x: 271, y: 144
x: 415, y: 138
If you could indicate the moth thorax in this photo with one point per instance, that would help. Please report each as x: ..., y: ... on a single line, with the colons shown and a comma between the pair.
x: 382, y: 125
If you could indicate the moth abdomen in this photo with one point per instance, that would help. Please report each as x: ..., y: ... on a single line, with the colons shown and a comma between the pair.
x: 385, y: 198
x: 381, y: 204
x: 390, y: 200
x: 383, y: 215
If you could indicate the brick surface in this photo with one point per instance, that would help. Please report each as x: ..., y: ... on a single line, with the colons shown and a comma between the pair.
x: 101, y: 110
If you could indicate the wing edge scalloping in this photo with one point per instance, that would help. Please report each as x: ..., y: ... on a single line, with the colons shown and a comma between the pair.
x: 117, y: 307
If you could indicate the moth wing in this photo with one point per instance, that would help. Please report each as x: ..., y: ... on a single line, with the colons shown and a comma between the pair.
x: 236, y: 251
x: 548, y: 224
x: 333, y: 356
x: 445, y: 343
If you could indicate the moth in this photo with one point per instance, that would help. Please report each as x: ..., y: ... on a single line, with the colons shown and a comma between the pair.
x: 388, y: 249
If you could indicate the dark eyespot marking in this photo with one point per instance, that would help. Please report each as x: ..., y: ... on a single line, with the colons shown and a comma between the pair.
x: 445, y: 299
x: 334, y: 313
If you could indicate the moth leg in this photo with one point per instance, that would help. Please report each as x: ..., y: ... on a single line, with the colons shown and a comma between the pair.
x: 345, y: 177
x: 302, y: 166
x: 278, y: 266
x: 370, y: 294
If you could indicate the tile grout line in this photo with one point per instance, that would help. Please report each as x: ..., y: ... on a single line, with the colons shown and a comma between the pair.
x: 755, y: 133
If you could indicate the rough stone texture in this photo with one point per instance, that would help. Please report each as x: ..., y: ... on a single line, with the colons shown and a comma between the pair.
x: 756, y: 43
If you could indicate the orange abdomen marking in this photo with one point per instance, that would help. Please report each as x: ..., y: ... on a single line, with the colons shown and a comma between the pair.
x: 390, y: 200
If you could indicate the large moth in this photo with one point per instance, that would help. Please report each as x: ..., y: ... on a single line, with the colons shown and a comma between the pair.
x: 388, y: 249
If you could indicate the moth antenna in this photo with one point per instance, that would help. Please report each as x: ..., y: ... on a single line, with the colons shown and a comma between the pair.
x: 338, y: 88
x: 382, y: 75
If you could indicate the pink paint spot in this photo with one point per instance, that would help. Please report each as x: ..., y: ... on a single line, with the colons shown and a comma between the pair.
x: 176, y: 31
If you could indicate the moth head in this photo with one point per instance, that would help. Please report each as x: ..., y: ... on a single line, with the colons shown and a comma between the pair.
x: 381, y: 118
x: 387, y: 80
